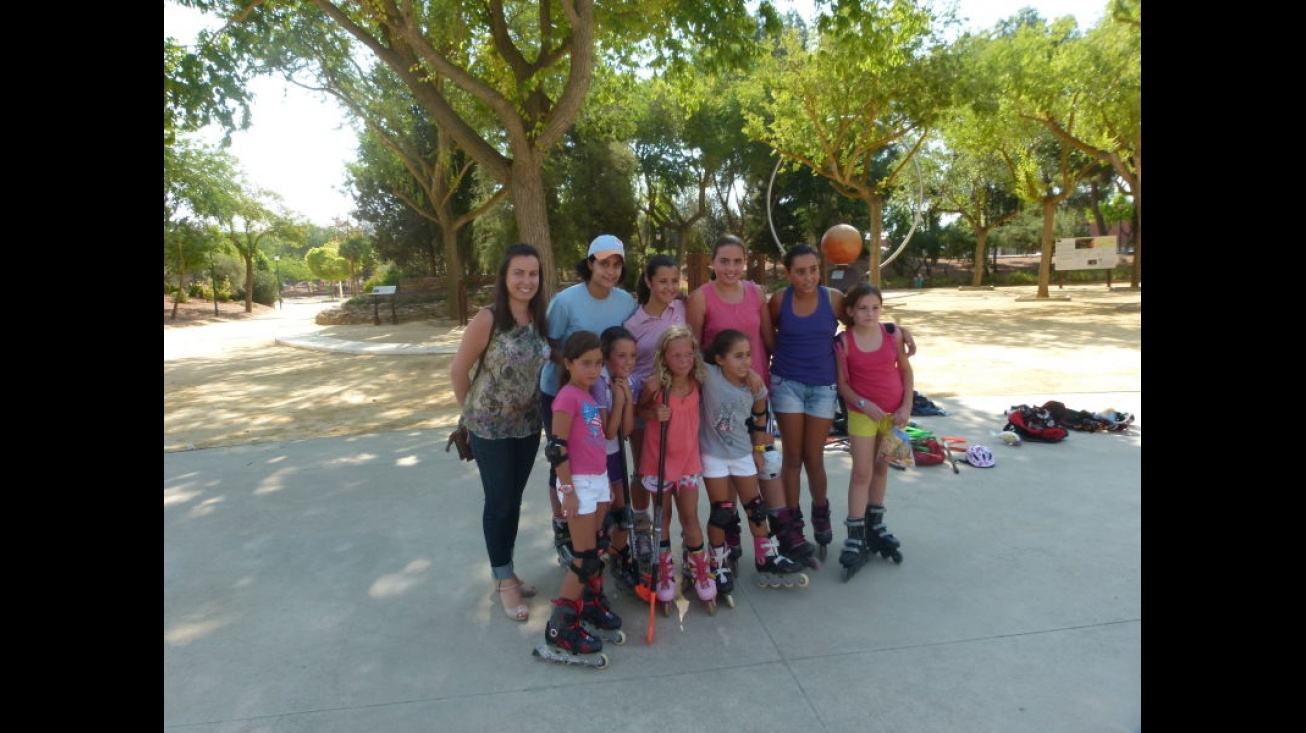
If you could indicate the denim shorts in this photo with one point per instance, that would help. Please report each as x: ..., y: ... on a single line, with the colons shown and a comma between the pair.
x: 789, y: 396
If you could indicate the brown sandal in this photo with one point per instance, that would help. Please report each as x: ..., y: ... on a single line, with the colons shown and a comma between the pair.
x: 518, y: 612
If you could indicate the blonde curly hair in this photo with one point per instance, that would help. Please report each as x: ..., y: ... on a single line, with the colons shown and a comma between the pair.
x: 661, y: 373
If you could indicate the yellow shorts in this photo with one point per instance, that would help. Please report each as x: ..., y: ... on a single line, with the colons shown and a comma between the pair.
x: 861, y: 426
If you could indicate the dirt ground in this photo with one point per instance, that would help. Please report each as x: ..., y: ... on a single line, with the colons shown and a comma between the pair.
x: 226, y: 382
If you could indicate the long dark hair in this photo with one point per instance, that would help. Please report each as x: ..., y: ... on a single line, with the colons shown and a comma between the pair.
x: 642, y: 291
x: 722, y: 343
x: 798, y: 250
x: 503, y: 317
x: 727, y: 240
x: 855, y: 294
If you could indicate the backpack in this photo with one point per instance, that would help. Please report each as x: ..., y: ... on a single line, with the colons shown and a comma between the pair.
x: 1074, y: 419
x: 926, y: 449
x: 1034, y: 423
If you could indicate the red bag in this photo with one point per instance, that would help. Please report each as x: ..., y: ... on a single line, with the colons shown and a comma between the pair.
x: 929, y: 452
x: 1034, y: 423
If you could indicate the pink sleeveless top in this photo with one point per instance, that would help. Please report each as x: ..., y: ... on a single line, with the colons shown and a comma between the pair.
x: 745, y: 316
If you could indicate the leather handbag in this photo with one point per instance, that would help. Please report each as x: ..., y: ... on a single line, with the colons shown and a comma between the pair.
x: 462, y: 438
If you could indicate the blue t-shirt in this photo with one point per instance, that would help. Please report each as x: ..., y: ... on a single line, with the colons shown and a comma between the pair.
x: 574, y: 309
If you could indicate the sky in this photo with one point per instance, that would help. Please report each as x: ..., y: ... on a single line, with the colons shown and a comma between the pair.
x: 300, y: 142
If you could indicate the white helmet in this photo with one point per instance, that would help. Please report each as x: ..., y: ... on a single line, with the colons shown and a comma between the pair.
x: 979, y: 456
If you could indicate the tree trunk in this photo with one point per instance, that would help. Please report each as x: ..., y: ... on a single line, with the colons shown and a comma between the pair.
x: 528, y: 201
x: 977, y: 274
x: 876, y: 205
x: 249, y: 283
x: 1045, y: 262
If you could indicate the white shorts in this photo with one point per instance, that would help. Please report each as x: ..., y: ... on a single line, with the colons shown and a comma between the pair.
x: 714, y: 467
x: 591, y: 491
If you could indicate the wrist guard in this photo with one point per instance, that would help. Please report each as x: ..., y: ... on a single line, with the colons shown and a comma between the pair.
x: 554, y: 451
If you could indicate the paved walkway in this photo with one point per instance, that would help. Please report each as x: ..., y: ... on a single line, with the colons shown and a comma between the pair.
x: 340, y: 585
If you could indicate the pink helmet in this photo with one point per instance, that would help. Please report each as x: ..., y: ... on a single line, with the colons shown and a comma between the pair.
x: 978, y: 455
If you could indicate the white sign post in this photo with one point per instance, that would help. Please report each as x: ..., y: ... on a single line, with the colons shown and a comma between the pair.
x: 1085, y: 253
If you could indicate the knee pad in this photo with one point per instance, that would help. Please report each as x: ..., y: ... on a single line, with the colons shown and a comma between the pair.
x: 756, y: 511
x: 590, y: 565
x: 722, y: 514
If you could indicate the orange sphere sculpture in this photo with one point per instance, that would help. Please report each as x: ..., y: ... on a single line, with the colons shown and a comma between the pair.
x: 841, y: 244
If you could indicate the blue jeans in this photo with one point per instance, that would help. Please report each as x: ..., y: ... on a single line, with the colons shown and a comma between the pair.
x: 505, y: 466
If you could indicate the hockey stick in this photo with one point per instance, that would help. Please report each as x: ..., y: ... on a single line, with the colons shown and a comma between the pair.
x: 952, y: 460
x: 629, y: 512
x: 657, y: 519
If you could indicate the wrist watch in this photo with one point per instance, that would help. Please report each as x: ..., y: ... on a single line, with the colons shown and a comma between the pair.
x: 861, y: 403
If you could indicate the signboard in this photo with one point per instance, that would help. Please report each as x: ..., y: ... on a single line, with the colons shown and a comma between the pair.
x: 1086, y: 253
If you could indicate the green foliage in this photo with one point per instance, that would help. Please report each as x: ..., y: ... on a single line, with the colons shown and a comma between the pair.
x: 1018, y: 277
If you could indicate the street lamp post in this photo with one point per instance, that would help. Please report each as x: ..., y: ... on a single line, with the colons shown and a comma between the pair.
x: 277, y: 259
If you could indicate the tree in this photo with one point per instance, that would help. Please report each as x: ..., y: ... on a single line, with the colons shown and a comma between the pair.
x: 326, y: 263
x: 1087, y: 91
x: 357, y: 251
x: 858, y: 107
x: 526, y: 64
x: 199, y: 182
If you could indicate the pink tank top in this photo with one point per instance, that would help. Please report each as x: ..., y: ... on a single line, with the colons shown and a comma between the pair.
x: 683, y: 458
x: 745, y: 316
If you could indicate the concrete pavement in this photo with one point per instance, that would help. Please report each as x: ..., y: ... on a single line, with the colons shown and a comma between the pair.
x: 341, y: 584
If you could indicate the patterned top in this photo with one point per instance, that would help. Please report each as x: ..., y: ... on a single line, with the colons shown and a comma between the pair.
x: 504, y: 401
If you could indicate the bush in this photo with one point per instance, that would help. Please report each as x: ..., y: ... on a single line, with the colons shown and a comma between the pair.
x: 265, y: 288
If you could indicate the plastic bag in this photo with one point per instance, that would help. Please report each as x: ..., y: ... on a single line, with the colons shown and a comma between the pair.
x: 895, y: 449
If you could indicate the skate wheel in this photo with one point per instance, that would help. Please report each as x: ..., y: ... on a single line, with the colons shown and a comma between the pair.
x: 730, y: 600
x: 821, y: 550
x: 603, y: 662
x: 803, y: 580
x: 711, y: 607
x: 845, y: 573
x: 897, y: 557
x: 619, y: 638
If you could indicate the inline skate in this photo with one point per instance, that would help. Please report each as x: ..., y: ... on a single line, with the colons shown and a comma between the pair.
x: 696, y: 571
x: 822, y: 531
x: 773, y: 569
x: 723, y: 572
x: 856, y: 552
x: 793, y: 545
x: 566, y: 641
x: 878, y: 536
x: 596, y: 615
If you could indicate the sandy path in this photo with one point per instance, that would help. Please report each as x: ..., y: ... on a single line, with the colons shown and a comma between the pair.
x: 229, y: 383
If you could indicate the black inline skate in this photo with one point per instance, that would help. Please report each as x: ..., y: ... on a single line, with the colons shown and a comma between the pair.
x: 596, y: 615
x: 722, y: 568
x: 788, y: 530
x: 856, y: 552
x: 566, y: 641
x: 624, y: 569
x: 822, y: 531
x: 878, y: 536
x: 773, y: 569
